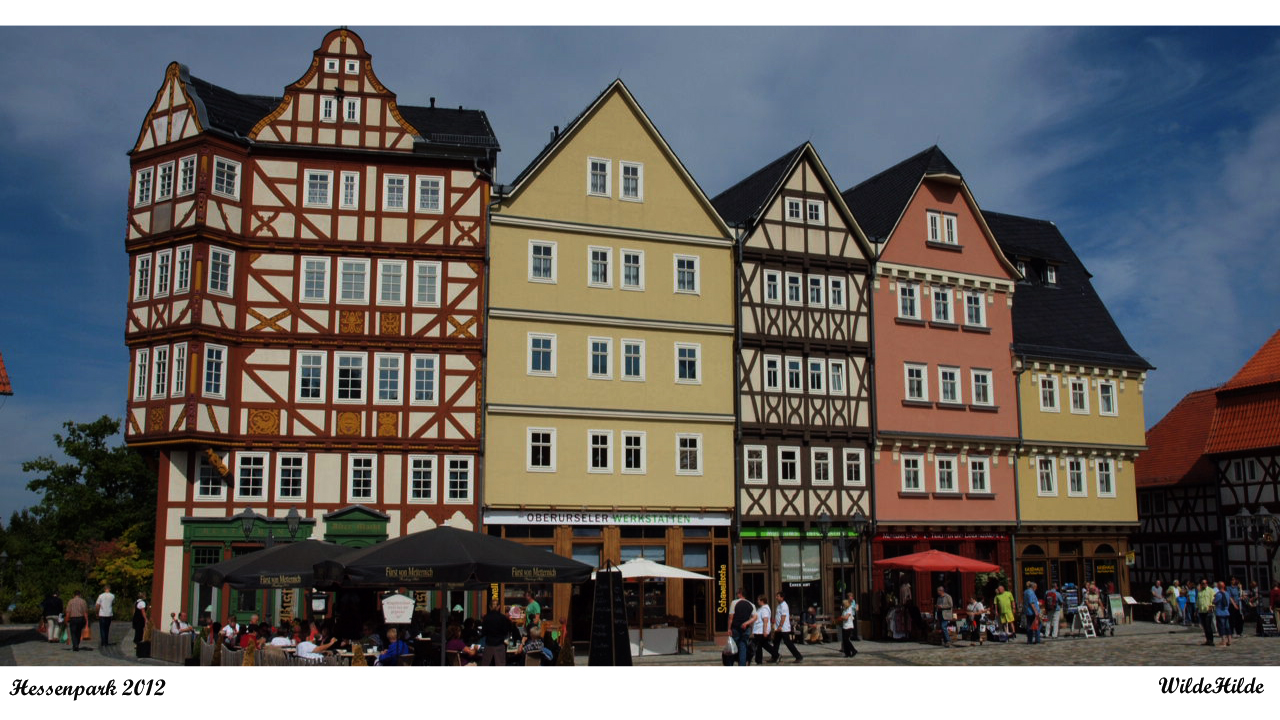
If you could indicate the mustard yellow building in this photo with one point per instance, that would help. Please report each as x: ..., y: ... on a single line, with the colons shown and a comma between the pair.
x: 1079, y: 390
x: 609, y: 401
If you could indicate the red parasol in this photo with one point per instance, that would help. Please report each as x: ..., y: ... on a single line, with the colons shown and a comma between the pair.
x: 935, y: 561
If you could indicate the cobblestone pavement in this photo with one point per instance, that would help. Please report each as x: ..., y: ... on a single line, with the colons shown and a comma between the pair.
x: 22, y: 645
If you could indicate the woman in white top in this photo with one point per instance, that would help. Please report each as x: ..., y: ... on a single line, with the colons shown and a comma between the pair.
x: 977, y: 619
x: 848, y: 615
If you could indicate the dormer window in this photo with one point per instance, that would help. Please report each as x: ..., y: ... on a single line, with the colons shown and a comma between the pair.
x: 1051, y: 275
x: 1022, y: 269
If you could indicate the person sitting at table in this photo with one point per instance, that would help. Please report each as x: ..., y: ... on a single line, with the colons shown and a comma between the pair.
x: 282, y: 638
x: 467, y: 654
x: 371, y: 640
x: 532, y: 645
x: 312, y: 651
x: 179, y: 625
x: 395, y: 648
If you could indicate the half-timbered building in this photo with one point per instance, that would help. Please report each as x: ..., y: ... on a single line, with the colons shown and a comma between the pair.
x: 306, y: 314
x: 803, y: 375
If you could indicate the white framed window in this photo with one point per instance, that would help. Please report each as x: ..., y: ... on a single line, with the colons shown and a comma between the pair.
x: 817, y: 291
x: 311, y: 366
x: 772, y: 373
x: 600, y: 358
x: 689, y: 363
x: 143, y: 187
x: 836, y: 370
x: 1049, y: 393
x: 141, y: 373
x: 633, y: 453
x: 814, y: 211
x: 979, y: 475
x: 1245, y: 470
x: 795, y: 375
x: 164, y: 260
x: 598, y: 177
x: 912, y: 473
x: 226, y: 178
x: 315, y: 279
x: 251, y: 475
x: 981, y: 387
x: 319, y: 188
x: 390, y: 375
x: 789, y: 465
x: 542, y: 261
x: 908, y: 300
x: 542, y: 449
x: 945, y: 474
x: 1079, y: 388
x: 949, y: 385
x: 949, y: 235
x: 179, y: 384
x: 773, y: 287
x: 160, y: 373
x: 459, y: 479
x: 328, y: 108
x: 632, y: 269
x: 362, y: 472
x: 394, y: 189
x: 426, y: 379
x: 795, y: 213
x: 836, y: 293
x: 221, y: 267
x: 350, y: 198
x: 917, y: 381
x: 209, y: 482
x: 817, y: 376
x: 942, y: 305
x: 855, y: 469
x: 1075, y: 477
x: 689, y: 454
x: 1051, y: 275
x: 291, y: 476
x: 426, y: 283
x: 975, y: 310
x: 795, y: 289
x: 215, y: 359
x: 632, y: 359
x: 422, y: 479
x: 1047, y: 476
x: 687, y: 277
x: 187, y: 175
x: 391, y: 282
x: 632, y: 181
x: 351, y: 107
x: 1106, y: 477
x: 182, y: 270
x: 353, y: 280
x: 754, y: 465
x: 1107, y: 398
x: 542, y: 355
x: 600, y: 451
x: 934, y: 220
x: 820, y: 466
x: 348, y: 377
x: 353, y: 67
x: 164, y: 181
x: 142, y: 277
x: 1022, y: 269
x: 430, y: 194
x: 599, y: 267
x: 331, y: 65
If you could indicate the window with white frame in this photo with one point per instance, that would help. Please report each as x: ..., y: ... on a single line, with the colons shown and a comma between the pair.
x: 141, y: 373
x: 352, y: 108
x: 817, y: 376
x: 773, y: 287
x: 391, y: 282
x: 426, y: 283
x: 390, y: 369
x: 949, y: 385
x: 1049, y: 393
x: 422, y: 478
x: 163, y: 265
x: 187, y: 175
x: 1051, y: 275
x: 361, y: 472
x: 160, y: 373
x: 353, y: 280
x: 855, y: 466
x: 331, y: 65
x: 795, y: 289
x: 934, y: 221
x: 789, y: 465
x: 1244, y: 470
x: 912, y: 473
x: 814, y: 211
x: 795, y: 375
x: 1106, y: 477
x: 599, y: 358
x: 349, y: 377
x: 209, y: 482
x: 600, y: 451
x: 350, y: 198
x: 772, y: 373
x: 599, y: 262
x: 632, y: 181
x: 311, y: 376
x: 689, y: 454
x: 687, y: 276
x: 251, y: 475
x: 795, y: 210
x: 942, y: 305
x: 979, y: 475
x: 632, y: 269
x: 142, y: 277
x: 215, y: 358
x: 981, y: 387
x: 394, y: 188
x: 632, y: 359
x: 1079, y: 395
x: 328, y: 108
x: 315, y: 279
x: 164, y: 181
x: 820, y: 466
x: 542, y: 354
x: 458, y: 490
x: 426, y: 379
x: 319, y: 188
x: 945, y: 478
x: 975, y: 311
x: 917, y: 383
x: 633, y: 452
x: 430, y: 194
x: 542, y: 449
x: 817, y: 291
x: 226, y: 178
x: 221, y: 265
x: 1047, y: 475
x: 949, y: 229
x: 542, y: 261
x: 143, y: 187
x: 1075, y: 477
x: 598, y: 177
x: 291, y: 473
x: 179, y: 383
x: 836, y: 293
x: 1022, y: 269
x: 753, y: 464
x: 352, y: 67
x: 1107, y: 397
x: 908, y: 300
x: 182, y: 270
x: 836, y: 370
x: 689, y: 363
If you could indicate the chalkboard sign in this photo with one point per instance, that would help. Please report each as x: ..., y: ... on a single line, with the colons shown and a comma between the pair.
x: 610, y: 642
x: 1267, y: 624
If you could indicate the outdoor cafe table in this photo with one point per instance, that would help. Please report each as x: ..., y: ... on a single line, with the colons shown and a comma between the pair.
x: 346, y: 656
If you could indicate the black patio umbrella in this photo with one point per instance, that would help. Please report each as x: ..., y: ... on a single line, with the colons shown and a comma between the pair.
x: 288, y: 565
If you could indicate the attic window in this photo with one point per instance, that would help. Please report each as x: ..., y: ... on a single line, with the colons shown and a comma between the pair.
x: 1051, y: 275
x: 1022, y: 269
x: 331, y: 65
x: 352, y: 67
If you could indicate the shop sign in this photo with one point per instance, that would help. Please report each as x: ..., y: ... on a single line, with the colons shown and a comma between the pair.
x: 940, y: 536
x: 397, y: 609
x: 588, y: 517
x: 1106, y: 567
x: 720, y: 555
x: 801, y: 562
x: 787, y: 532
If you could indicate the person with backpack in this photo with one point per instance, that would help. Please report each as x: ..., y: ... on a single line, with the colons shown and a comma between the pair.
x: 1052, y: 611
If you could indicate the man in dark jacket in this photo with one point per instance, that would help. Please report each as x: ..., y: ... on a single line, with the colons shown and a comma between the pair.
x: 496, y: 628
x: 52, y: 609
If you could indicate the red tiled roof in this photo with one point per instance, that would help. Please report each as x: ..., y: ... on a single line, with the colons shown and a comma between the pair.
x: 1262, y: 368
x: 1176, y: 445
x: 5, y: 387
x: 1246, y: 421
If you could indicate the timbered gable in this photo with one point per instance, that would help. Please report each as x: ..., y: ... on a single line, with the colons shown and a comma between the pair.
x: 175, y: 114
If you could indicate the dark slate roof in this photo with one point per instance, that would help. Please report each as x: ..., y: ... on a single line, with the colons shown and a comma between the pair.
x: 878, y: 201
x: 1064, y: 321
x: 441, y: 127
x: 228, y: 111
x: 740, y: 204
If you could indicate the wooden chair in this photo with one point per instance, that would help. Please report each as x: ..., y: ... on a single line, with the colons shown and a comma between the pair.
x: 533, y: 660
x: 452, y: 658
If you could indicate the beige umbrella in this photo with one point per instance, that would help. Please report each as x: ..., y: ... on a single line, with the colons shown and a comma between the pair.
x: 640, y: 569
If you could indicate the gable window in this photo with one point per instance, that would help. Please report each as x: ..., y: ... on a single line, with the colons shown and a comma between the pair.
x: 361, y: 469
x: 318, y: 184
x: 179, y: 370
x: 1245, y: 471
x: 1079, y: 395
x: 391, y: 282
x: 143, y: 187
x: 1047, y: 474
x: 142, y: 369
x: 459, y: 488
x: 352, y: 109
x: 1049, y: 393
x: 949, y: 229
x: 290, y: 472
x: 633, y: 269
x: 772, y: 373
x: 142, y: 277
x: 908, y: 301
x: 328, y: 109
x: 214, y: 358
x: 942, y: 304
x: 789, y: 465
x: 210, y: 484
x: 393, y: 192
x: 632, y: 181
x: 949, y: 385
x: 426, y: 286
x: 1075, y: 477
x: 331, y: 65
x: 599, y: 259
x: 979, y: 469
x: 946, y: 474
x: 1106, y: 478
x: 425, y: 379
x: 817, y: 286
x: 220, y: 264
x: 934, y: 220
x: 311, y: 376
x: 1051, y: 275
x: 542, y: 360
x: 349, y: 377
x: 820, y: 466
x: 686, y: 273
x: 251, y: 475
x: 389, y: 368
x: 753, y: 464
x: 854, y: 466
x: 794, y: 211
x: 632, y: 359
x: 795, y: 375
x: 600, y: 365
x: 422, y: 478
x: 813, y: 211
x: 542, y: 449
x: 772, y: 287
x: 688, y: 454
x: 353, y: 280
x: 633, y: 461
x: 430, y: 194
x: 315, y: 279
x: 600, y: 451
x: 226, y: 178
x: 187, y: 175
x: 542, y: 261
x: 974, y: 309
x: 817, y: 374
x: 835, y: 293
x: 350, y: 191
x: 598, y: 177
x: 795, y: 289
x: 1106, y: 397
x: 160, y: 373
x: 164, y: 183
x: 836, y: 369
x: 353, y: 66
x: 917, y: 383
x: 981, y: 387
x: 912, y: 478
x: 688, y: 363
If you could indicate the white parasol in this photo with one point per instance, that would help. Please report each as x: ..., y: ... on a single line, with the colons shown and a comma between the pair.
x: 641, y: 568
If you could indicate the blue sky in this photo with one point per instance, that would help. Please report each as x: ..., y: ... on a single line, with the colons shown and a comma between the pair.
x: 1156, y: 152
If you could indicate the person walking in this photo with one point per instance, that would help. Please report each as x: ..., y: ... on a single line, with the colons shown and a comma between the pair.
x: 532, y: 612
x: 77, y: 619
x: 1204, y: 610
x: 782, y: 625
x: 1222, y: 612
x: 1171, y: 595
x: 1052, y: 611
x: 139, y: 620
x: 1031, y: 613
x: 1157, y: 599
x: 943, y: 611
x: 742, y: 617
x: 105, y: 606
x: 52, y: 609
x: 848, y: 614
x: 761, y: 629
x: 1193, y: 613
